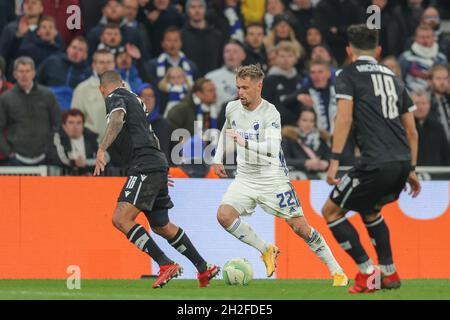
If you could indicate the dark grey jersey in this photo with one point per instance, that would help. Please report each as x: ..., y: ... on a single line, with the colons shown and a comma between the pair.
x: 136, y: 143
x: 379, y: 100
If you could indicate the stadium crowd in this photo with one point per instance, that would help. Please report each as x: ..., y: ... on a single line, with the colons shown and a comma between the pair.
x: 180, y: 57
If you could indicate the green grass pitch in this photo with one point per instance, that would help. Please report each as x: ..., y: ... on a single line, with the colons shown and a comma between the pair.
x: 188, y: 289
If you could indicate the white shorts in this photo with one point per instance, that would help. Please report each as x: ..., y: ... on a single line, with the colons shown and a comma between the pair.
x: 280, y: 200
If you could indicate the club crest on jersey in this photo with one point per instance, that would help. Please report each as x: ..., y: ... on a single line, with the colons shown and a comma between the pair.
x: 275, y: 125
x: 256, y: 126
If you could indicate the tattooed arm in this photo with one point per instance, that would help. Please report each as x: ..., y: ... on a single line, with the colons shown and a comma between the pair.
x: 113, y: 129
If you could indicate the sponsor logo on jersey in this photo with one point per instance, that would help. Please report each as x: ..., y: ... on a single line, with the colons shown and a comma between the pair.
x: 256, y: 125
x: 275, y: 125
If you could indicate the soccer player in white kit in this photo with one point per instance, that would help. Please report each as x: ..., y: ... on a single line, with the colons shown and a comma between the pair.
x: 262, y: 176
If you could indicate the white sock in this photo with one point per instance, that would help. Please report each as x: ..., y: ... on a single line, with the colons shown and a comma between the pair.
x: 366, y: 267
x: 244, y: 232
x: 387, y: 269
x: 320, y: 247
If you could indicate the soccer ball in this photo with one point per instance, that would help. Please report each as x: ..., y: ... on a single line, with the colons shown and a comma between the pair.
x: 237, y: 271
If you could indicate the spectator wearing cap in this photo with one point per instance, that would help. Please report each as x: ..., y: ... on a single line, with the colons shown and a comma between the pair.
x: 201, y: 43
x: 418, y: 60
x: 224, y: 78
x: 172, y: 56
x: 303, y: 12
x: 226, y: 16
x: 126, y: 68
x: 62, y: 72
x: 273, y: 8
x: 283, y: 30
x: 29, y: 113
x: 4, y: 84
x: 159, y: 124
x: 160, y: 15
x: 113, y: 13
x: 88, y: 99
x: 433, y: 146
x: 255, y: 49
x: 73, y: 147
x: 283, y: 79
x: 58, y: 10
x: 334, y: 17
x: 313, y: 37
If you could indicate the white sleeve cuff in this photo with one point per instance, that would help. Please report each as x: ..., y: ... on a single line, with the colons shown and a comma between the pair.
x: 344, y: 96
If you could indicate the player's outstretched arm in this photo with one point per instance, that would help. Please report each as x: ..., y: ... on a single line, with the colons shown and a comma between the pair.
x: 343, y: 124
x: 113, y: 129
x: 413, y: 140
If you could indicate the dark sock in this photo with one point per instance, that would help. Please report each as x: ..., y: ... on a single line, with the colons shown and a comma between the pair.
x: 184, y: 246
x: 348, y: 239
x: 141, y: 239
x: 379, y: 234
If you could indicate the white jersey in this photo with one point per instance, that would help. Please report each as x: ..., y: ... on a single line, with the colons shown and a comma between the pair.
x: 263, y: 162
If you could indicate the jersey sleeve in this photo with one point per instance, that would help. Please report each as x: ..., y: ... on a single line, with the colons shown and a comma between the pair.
x: 344, y: 85
x: 114, y: 103
x: 406, y: 104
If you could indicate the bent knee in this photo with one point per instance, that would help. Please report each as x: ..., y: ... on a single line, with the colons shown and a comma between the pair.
x: 332, y: 212
x: 226, y: 216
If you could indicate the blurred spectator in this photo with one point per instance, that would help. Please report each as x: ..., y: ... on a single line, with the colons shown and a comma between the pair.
x: 29, y: 113
x: 302, y: 145
x: 282, y: 30
x: 174, y: 86
x: 73, y: 147
x: 159, y: 124
x: 91, y: 13
x: 283, y: 79
x: 304, y: 14
x: 432, y: 18
x: 433, y: 146
x: 58, y: 10
x: 23, y: 27
x: 127, y: 70
x: 440, y: 98
x: 201, y: 43
x: 334, y: 17
x: 87, y: 97
x: 392, y: 63
x: 40, y: 45
x: 130, y: 12
x: 7, y: 13
x: 110, y: 39
x: 4, y: 84
x: 319, y: 95
x: 160, y: 15
x: 322, y: 52
x: 226, y: 16
x: 313, y: 38
x: 273, y: 8
x: 61, y: 73
x: 172, y: 56
x: 417, y: 62
x: 199, y: 106
x: 412, y: 12
x: 255, y: 49
x: 224, y: 78
x: 113, y: 13
x: 253, y: 10
x: 394, y: 31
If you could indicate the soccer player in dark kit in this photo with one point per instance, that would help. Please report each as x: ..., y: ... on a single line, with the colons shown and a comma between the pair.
x: 146, y: 188
x: 375, y: 103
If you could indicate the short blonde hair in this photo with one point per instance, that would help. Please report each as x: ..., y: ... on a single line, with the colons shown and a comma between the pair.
x: 288, y: 46
x: 252, y: 71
